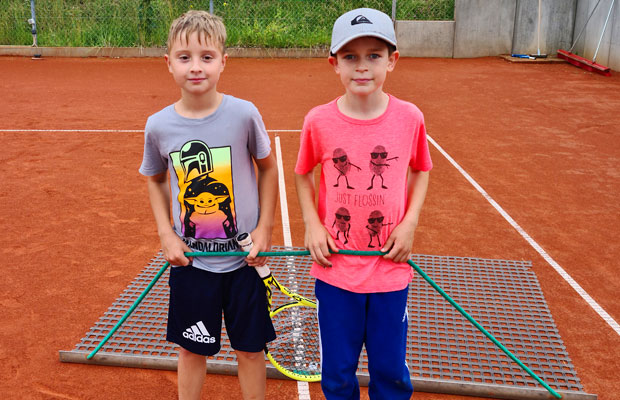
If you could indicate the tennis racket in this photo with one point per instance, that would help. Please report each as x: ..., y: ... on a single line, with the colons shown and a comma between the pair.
x: 295, y: 352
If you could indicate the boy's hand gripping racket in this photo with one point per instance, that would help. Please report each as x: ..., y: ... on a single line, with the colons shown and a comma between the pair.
x: 295, y: 352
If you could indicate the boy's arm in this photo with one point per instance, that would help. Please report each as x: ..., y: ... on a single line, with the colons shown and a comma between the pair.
x: 400, y: 242
x: 267, y: 196
x: 159, y: 195
x: 317, y: 240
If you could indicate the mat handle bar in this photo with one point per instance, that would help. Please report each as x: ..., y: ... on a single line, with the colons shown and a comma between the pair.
x: 131, y: 309
x: 604, y: 28
x: 343, y: 252
x: 584, y: 26
x: 481, y: 329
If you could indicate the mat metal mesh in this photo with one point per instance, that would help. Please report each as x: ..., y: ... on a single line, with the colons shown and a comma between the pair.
x: 503, y: 296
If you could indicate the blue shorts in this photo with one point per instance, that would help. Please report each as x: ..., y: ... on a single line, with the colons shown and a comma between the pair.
x: 378, y: 321
x: 197, y: 300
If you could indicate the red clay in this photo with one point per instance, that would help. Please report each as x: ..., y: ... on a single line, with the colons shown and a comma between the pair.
x: 542, y: 140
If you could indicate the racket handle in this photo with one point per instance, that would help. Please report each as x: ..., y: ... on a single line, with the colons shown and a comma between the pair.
x: 245, y: 242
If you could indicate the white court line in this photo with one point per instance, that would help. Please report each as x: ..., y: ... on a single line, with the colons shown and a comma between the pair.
x: 76, y: 130
x: 591, y: 302
x: 286, y: 226
x: 113, y: 130
x: 303, y: 389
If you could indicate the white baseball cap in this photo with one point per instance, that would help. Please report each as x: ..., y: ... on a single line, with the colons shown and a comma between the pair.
x: 362, y: 22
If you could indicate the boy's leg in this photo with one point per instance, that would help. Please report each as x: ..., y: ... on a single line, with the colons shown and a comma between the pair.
x: 386, y: 346
x: 252, y: 374
x: 249, y: 328
x: 194, y: 323
x: 341, y: 327
x: 191, y: 372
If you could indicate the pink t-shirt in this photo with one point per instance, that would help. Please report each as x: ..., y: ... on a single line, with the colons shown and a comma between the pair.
x: 363, y: 187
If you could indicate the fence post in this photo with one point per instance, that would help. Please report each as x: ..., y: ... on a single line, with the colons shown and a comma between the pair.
x: 394, y: 11
x: 210, y: 6
x: 33, y: 23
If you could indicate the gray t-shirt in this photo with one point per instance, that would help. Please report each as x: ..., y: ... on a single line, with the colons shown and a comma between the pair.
x: 212, y: 180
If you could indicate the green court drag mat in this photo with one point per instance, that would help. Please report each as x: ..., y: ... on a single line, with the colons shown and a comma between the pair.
x: 446, y: 353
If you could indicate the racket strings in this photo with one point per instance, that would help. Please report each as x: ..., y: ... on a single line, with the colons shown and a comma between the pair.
x: 297, y: 346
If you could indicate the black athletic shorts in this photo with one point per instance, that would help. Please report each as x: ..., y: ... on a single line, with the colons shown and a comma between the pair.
x: 197, y: 299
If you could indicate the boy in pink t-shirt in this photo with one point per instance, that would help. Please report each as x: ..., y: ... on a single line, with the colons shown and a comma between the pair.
x: 374, y: 160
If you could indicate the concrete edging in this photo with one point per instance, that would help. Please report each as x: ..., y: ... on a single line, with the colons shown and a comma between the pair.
x: 120, y: 52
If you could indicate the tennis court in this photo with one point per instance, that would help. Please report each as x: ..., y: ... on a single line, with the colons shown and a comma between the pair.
x: 526, y: 168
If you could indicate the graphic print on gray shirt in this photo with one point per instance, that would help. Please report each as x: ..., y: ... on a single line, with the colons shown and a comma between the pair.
x: 212, y: 179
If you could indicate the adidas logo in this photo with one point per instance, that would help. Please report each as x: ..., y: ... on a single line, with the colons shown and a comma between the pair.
x: 360, y: 19
x: 198, y: 333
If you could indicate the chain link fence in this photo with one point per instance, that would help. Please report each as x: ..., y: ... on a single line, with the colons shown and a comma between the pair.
x: 144, y: 23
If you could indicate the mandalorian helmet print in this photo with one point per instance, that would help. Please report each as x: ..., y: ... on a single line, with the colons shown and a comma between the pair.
x: 196, y: 160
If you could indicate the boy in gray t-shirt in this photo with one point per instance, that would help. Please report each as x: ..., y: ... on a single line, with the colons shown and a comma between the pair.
x: 208, y: 144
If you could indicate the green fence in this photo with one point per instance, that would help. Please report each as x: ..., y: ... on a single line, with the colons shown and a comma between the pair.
x: 144, y: 23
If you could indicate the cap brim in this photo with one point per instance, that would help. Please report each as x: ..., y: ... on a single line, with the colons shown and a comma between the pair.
x: 337, y: 47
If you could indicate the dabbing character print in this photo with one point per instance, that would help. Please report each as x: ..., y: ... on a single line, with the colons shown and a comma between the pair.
x: 205, y: 191
x: 375, y: 226
x: 342, y: 224
x: 349, y: 223
x: 378, y: 164
x: 343, y: 165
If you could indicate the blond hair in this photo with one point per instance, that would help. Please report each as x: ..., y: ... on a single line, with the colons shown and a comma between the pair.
x: 199, y: 21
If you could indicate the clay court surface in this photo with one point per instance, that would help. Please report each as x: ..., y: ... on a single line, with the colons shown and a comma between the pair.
x: 542, y: 140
